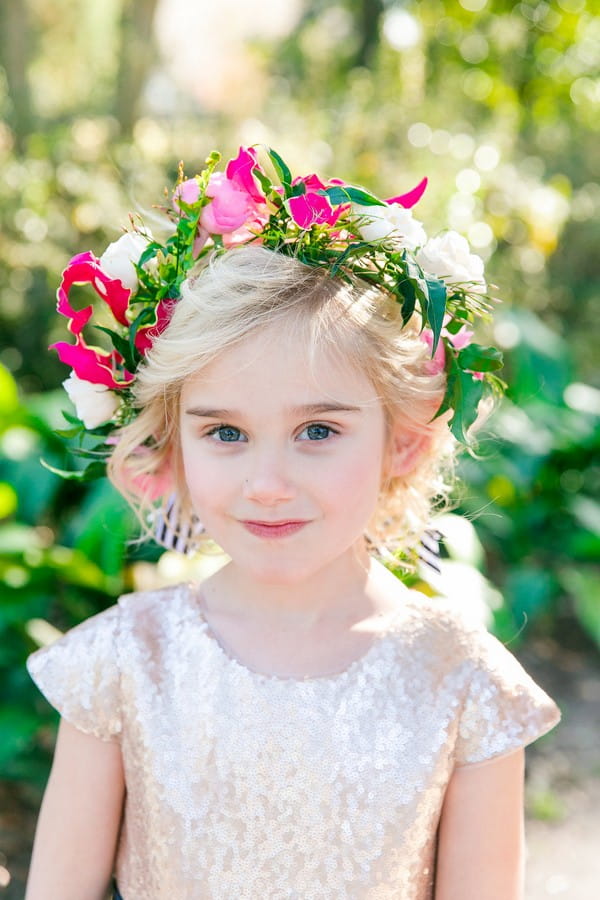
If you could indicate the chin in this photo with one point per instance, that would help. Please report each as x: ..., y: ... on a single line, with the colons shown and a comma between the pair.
x: 280, y: 575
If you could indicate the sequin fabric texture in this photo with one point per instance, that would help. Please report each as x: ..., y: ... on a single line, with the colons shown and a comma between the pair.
x: 257, y: 787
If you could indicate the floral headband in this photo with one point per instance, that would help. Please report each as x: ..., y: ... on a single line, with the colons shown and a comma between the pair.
x: 339, y: 227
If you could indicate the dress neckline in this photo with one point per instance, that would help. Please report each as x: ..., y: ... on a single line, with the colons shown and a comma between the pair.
x: 228, y: 657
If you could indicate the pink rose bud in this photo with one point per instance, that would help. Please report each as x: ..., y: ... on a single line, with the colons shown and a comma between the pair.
x: 188, y: 191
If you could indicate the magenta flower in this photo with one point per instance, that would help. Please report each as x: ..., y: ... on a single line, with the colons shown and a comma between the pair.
x: 92, y: 363
x: 312, y: 208
x: 85, y: 269
x: 239, y: 170
x: 145, y: 336
x: 411, y: 198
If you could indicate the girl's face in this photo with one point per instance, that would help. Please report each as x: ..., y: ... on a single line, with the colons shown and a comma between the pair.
x: 283, y: 464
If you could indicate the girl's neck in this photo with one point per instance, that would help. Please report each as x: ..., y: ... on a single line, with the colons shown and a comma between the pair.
x: 350, y: 590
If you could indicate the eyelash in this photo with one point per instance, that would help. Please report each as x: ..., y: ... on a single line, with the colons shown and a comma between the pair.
x: 223, y: 426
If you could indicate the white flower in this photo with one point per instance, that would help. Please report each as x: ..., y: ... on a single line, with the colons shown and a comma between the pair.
x: 449, y: 257
x: 393, y: 221
x: 94, y: 403
x: 119, y: 257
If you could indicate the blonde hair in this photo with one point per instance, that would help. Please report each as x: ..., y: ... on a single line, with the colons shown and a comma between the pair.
x: 246, y: 289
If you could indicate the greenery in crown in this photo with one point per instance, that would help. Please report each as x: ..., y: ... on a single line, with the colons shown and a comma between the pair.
x: 340, y: 227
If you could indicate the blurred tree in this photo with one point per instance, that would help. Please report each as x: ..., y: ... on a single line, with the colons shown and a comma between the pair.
x: 136, y: 58
x: 15, y: 47
x: 367, y: 17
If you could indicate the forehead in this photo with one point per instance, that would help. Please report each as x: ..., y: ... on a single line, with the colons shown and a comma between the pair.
x: 279, y: 365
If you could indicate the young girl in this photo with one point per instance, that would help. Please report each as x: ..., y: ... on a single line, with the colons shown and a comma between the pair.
x: 301, y: 724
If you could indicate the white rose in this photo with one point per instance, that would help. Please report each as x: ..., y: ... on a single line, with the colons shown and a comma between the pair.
x: 118, y: 259
x: 94, y: 404
x: 449, y: 257
x: 392, y: 220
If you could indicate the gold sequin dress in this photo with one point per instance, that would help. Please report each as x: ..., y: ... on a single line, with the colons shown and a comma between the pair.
x: 246, y: 786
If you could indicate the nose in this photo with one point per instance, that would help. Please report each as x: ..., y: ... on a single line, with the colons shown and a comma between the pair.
x: 267, y: 480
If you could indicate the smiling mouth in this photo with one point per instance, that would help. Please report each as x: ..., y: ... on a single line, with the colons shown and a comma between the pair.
x: 274, y: 529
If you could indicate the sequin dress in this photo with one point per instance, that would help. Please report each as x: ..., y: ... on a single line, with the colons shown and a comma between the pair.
x: 251, y: 786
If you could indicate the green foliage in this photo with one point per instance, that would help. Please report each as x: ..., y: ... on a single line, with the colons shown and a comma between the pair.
x: 63, y: 549
x: 534, y: 491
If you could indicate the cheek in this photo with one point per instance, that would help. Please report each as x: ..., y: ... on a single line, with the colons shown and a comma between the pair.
x: 199, y: 471
x: 354, y: 483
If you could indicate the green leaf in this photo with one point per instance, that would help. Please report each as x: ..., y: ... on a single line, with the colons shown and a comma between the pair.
x: 414, y: 274
x: 409, y: 300
x: 149, y: 253
x: 123, y: 346
x: 90, y: 473
x: 282, y: 171
x: 354, y: 249
x: 73, y: 420
x: 463, y: 393
x: 480, y: 359
x: 436, y: 308
x: 339, y: 194
x: 69, y: 432
x: 298, y: 190
x: 264, y: 181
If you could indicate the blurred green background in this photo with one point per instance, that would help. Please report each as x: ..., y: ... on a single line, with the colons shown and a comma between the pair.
x: 497, y: 102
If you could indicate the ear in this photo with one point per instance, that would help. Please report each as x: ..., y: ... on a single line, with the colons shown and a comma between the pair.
x: 404, y: 451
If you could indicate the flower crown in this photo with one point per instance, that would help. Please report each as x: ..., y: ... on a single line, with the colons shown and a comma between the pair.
x: 339, y: 227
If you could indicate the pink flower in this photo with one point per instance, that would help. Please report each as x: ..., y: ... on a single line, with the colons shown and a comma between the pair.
x: 459, y: 341
x: 437, y: 364
x: 312, y: 208
x: 92, y: 363
x: 411, y: 198
x: 188, y: 191
x: 239, y: 170
x: 230, y: 207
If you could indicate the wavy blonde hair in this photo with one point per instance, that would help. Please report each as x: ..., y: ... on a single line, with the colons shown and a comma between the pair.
x: 247, y: 289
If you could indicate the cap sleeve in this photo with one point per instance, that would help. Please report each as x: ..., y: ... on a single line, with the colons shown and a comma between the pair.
x: 504, y: 708
x: 78, y: 674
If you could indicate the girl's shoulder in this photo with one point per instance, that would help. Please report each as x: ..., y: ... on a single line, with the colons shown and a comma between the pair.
x: 438, y: 620
x: 81, y: 672
x: 159, y: 604
x: 451, y: 653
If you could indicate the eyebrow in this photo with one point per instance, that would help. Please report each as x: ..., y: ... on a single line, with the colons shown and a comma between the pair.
x: 308, y: 409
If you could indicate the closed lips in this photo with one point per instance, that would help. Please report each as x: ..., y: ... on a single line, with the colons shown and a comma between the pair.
x: 274, y: 529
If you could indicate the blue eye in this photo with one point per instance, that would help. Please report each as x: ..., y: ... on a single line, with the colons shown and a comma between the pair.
x: 317, y: 432
x: 227, y: 434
